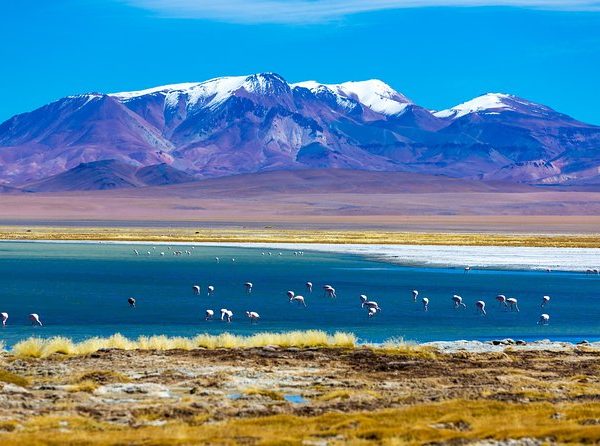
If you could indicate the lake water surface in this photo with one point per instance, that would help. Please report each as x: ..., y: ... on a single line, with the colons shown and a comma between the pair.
x: 81, y: 289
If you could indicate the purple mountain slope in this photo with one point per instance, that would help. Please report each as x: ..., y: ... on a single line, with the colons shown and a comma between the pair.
x: 246, y: 124
x: 109, y: 174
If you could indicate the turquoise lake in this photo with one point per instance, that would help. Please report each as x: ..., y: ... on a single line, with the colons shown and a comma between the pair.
x: 81, y: 289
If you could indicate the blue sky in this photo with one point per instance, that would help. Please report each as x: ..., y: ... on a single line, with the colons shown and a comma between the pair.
x: 437, y: 52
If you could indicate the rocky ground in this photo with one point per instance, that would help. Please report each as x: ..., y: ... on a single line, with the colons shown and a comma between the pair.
x: 303, y: 396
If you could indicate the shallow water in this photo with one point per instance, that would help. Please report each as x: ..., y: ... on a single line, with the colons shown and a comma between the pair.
x: 81, y: 290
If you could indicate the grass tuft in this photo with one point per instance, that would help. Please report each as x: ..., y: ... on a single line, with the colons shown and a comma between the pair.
x: 42, y: 348
x: 397, y: 346
x: 271, y: 394
x: 13, y: 378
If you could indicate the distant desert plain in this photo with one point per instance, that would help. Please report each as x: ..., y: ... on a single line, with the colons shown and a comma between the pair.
x: 327, y: 201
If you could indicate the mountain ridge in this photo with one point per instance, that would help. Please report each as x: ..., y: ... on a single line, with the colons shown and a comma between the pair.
x: 243, y: 124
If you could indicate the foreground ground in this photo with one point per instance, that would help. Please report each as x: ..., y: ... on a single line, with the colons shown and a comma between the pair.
x: 317, y: 396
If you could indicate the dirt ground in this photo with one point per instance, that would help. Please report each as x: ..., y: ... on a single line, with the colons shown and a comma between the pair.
x: 302, y: 396
x: 530, y: 212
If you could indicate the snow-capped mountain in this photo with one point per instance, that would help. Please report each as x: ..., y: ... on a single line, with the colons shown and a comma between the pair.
x: 374, y: 94
x: 261, y: 122
x: 495, y: 103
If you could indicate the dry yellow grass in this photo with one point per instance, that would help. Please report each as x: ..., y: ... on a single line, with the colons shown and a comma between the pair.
x: 271, y: 235
x: 271, y: 394
x: 13, y: 378
x: 407, y: 349
x: 452, y: 421
x: 42, y: 348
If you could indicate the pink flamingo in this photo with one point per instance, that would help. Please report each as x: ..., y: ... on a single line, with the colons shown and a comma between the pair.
x: 545, y: 301
x: 329, y: 291
x: 512, y: 304
x: 226, y: 314
x: 458, y: 301
x: 365, y: 302
x: 480, y: 305
x: 253, y: 316
x: 299, y: 299
x: 35, y: 319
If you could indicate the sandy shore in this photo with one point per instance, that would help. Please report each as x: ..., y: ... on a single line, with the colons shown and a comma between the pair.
x: 309, y: 396
x: 497, y: 257
x: 454, y: 256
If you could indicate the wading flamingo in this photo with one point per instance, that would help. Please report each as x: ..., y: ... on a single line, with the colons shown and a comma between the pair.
x: 458, y: 301
x: 131, y: 302
x: 545, y: 301
x: 544, y: 319
x: 196, y: 289
x: 309, y: 287
x: 4, y: 318
x: 365, y: 302
x: 501, y: 298
x: 209, y: 315
x: 226, y: 314
x: 35, y: 319
x: 299, y: 299
x: 512, y: 304
x: 211, y: 290
x: 329, y: 291
x: 248, y: 286
x: 372, y: 312
x: 425, y: 301
x: 253, y: 316
x: 415, y: 294
x: 290, y: 294
x: 480, y: 305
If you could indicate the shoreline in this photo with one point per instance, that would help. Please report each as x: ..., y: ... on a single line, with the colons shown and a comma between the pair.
x: 513, y: 258
x: 43, y: 347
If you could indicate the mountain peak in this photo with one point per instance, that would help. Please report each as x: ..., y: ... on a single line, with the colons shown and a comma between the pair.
x: 264, y: 83
x: 494, y: 103
x: 373, y: 93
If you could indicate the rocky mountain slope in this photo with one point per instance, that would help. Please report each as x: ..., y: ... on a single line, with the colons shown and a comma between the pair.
x: 246, y: 124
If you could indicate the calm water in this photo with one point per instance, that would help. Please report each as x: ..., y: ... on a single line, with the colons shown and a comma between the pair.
x: 81, y: 290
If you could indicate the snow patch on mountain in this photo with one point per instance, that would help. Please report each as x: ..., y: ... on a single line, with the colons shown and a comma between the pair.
x: 213, y: 92
x: 486, y: 103
x: 165, y: 89
x: 493, y: 104
x: 374, y: 94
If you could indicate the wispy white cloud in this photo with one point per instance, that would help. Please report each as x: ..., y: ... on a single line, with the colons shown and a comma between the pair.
x: 310, y: 11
